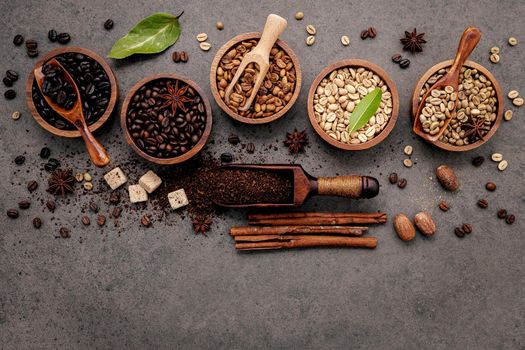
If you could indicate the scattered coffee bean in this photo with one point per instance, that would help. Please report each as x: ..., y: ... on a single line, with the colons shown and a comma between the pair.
x: 114, y: 198
x: 93, y: 207
x: 146, y: 221
x: 19, y: 160
x: 234, y: 139
x: 175, y: 56
x: 88, y: 186
x: 16, y: 115
x: 219, y: 25
x: 51, y: 165
x: 226, y: 158
x: 407, y: 163
x: 392, y: 178
x: 404, y: 63
x: 108, y: 25
x: 345, y: 40
x: 32, y: 185
x: 490, y: 186
x: 477, y: 161
x: 184, y: 56
x: 24, y: 204
x: 32, y: 53
x: 7, y: 82
x: 205, y: 46
x: 63, y: 38
x: 310, y: 29
x: 87, y: 177
x: 18, y: 40
x: 79, y: 177
x: 85, y: 221
x: 508, y: 115
x: 496, y: 157
x: 51, y: 206
x: 299, y: 16
x: 502, y: 213
x: 510, y: 219
x: 467, y: 228
x: 116, y: 212
x: 12, y: 213
x: 45, y: 152
x: 10, y: 94
x: 402, y: 183
x: 64, y: 232
x: 397, y: 58
x: 31, y: 44
x: 503, y: 165
x: 372, y: 32
x: 459, y: 232
x: 11, y: 74
x: 37, y: 223
x: 101, y: 220
x: 52, y: 35
x: 250, y: 148
x: 310, y: 40
x: 202, y: 37
x: 513, y: 41
x: 483, y: 203
x: 443, y: 206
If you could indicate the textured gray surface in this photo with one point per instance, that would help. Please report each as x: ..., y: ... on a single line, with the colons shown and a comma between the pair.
x: 135, y: 288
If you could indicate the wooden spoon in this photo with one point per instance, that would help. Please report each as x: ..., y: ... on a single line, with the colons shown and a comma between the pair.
x: 305, y: 185
x: 260, y: 55
x: 468, y: 42
x: 75, y: 115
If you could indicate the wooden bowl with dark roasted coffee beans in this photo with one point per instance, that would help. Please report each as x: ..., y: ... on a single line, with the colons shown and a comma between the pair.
x: 97, y: 85
x: 278, y: 92
x: 335, y: 93
x: 166, y: 119
x: 479, y: 109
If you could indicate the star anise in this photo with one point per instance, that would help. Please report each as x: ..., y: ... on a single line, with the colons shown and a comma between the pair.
x: 474, y: 129
x: 61, y: 182
x: 413, y: 41
x: 296, y: 141
x: 175, y: 97
x: 201, y: 224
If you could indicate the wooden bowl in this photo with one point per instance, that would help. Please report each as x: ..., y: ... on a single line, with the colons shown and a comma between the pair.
x: 112, y: 101
x: 354, y: 63
x: 499, y: 96
x: 166, y: 161
x: 215, y: 91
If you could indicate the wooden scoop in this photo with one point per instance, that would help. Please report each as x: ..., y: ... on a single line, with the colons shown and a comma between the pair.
x: 260, y: 55
x: 75, y: 115
x: 468, y: 42
x: 305, y: 185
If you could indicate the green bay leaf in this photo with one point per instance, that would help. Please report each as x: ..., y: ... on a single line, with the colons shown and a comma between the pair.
x: 364, y: 110
x: 153, y: 34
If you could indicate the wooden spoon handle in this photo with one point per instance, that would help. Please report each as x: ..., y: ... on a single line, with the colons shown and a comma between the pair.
x: 96, y: 151
x: 467, y: 44
x: 352, y: 186
x: 274, y: 27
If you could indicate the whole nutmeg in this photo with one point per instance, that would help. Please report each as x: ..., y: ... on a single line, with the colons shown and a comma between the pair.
x: 404, y: 227
x: 447, y: 178
x: 425, y: 224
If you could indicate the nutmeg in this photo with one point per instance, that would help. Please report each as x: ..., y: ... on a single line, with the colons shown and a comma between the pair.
x: 404, y: 227
x: 425, y: 224
x: 447, y: 178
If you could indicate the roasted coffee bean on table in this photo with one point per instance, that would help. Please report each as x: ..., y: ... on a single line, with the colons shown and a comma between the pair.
x: 7, y: 82
x: 10, y: 94
x: 12, y: 75
x: 63, y: 38
x: 116, y: 212
x: 52, y: 35
x: 51, y: 205
x: 31, y: 44
x: 166, y: 118
x: 114, y: 198
x: 93, y: 207
x: 234, y: 139
x: 392, y: 178
x: 32, y: 53
x: 12, y: 213
x: 32, y: 185
x: 24, y: 204
x: 443, y: 206
x: 37, y: 223
x: 404, y: 63
x: 250, y: 148
x: 509, y: 219
x: 51, y: 165
x: 226, y: 157
x: 64, y: 232
x: 45, y: 152
x: 19, y: 160
x: 502, y: 213
x: 101, y: 220
x: 483, y: 203
x: 18, y: 40
x: 477, y: 161
x: 402, y: 183
x: 93, y: 84
x: 108, y: 25
x: 85, y: 221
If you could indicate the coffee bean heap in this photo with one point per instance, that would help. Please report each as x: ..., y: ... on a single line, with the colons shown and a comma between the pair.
x: 92, y: 82
x: 162, y: 129
x: 57, y: 88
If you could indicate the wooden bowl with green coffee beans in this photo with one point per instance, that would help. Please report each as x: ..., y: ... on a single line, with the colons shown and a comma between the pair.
x: 479, y: 109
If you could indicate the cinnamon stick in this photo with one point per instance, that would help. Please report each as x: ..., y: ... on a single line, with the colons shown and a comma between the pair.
x: 310, y: 241
x: 314, y: 218
x: 281, y: 230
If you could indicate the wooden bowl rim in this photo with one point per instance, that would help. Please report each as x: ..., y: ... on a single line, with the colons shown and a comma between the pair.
x: 215, y: 91
x: 193, y: 151
x: 112, y: 101
x: 499, y: 96
x: 383, y: 75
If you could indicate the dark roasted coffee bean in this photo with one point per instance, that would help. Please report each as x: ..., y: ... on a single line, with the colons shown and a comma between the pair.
x: 12, y: 213
x: 32, y: 185
x: 234, y: 139
x: 467, y: 228
x: 37, y: 223
x: 226, y: 157
x: 101, y: 220
x: 45, y: 152
x: 18, y: 40
x: 372, y: 32
x: 52, y: 35
x: 10, y: 94
x: 175, y: 56
x: 396, y: 58
x: 108, y: 25
x: 477, y: 161
x: 93, y: 207
x: 19, y: 160
x: 490, y: 186
x: 184, y: 56
x: 404, y: 63
x: 85, y: 221
x: 31, y: 44
x: 63, y: 38
x: 145, y: 221
x: 32, y: 53
x: 114, y: 198
x: 54, y: 162
x: 51, y: 206
x: 64, y: 232
x: 392, y: 178
x: 49, y: 167
x: 502, y: 213
x: 402, y: 183
x: 250, y: 148
x: 444, y: 206
x: 364, y: 34
x: 483, y: 203
x: 24, y: 204
x: 459, y: 232
x: 11, y: 74
x: 509, y: 219
x: 116, y: 212
x: 7, y: 82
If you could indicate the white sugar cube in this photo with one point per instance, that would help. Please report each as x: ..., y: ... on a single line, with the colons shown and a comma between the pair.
x: 137, y: 194
x: 178, y: 199
x: 150, y: 181
x: 115, y: 178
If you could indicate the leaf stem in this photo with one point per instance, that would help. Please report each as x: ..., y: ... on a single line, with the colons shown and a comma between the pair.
x: 180, y: 15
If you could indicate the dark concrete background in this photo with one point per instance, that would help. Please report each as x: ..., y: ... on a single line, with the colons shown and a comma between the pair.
x: 127, y: 287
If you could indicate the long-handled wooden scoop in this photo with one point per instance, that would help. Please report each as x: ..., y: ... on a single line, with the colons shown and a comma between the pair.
x: 260, y: 55
x: 305, y: 185
x: 468, y: 42
x: 75, y: 115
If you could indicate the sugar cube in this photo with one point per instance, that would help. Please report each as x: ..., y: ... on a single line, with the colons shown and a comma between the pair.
x: 150, y: 181
x: 115, y: 178
x: 178, y: 199
x: 137, y: 194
